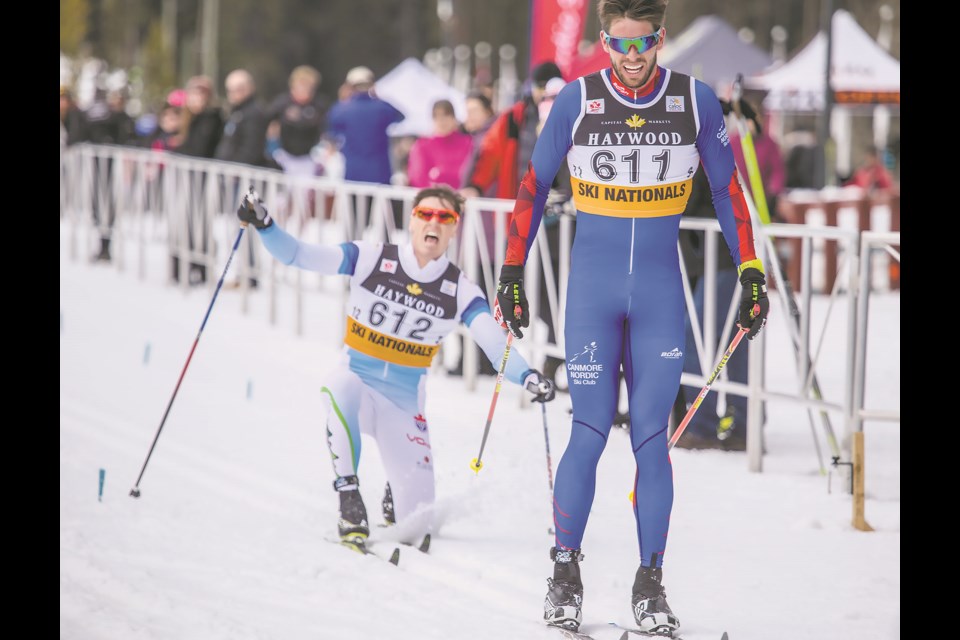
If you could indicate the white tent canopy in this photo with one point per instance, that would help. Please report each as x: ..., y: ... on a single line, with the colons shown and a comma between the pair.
x: 413, y: 88
x: 711, y: 50
x: 862, y: 72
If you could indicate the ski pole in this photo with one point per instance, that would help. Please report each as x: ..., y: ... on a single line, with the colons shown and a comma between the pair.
x: 135, y: 491
x: 703, y: 392
x: 760, y: 204
x: 476, y: 464
x: 749, y: 153
x: 546, y: 440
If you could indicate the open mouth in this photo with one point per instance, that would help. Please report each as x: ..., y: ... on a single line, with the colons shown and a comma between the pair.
x: 633, y: 70
x: 431, y: 238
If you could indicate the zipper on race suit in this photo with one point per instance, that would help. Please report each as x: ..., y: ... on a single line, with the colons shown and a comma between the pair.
x: 633, y: 229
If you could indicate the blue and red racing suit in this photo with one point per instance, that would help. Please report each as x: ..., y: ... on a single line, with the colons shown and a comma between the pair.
x: 632, y: 158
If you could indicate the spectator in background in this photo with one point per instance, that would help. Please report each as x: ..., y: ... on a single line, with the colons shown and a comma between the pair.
x: 172, y: 122
x: 171, y: 131
x: 297, y: 120
x: 769, y: 156
x: 358, y: 125
x: 507, y: 147
x: 801, y: 158
x: 245, y: 133
x: 71, y: 119
x: 872, y: 175
x: 480, y: 117
x: 504, y: 155
x: 204, y: 128
x: 300, y: 114
x: 439, y: 159
x: 106, y: 122
x: 205, y: 119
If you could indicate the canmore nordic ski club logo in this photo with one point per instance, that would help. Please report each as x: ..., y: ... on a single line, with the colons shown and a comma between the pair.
x: 588, y: 350
x: 673, y: 354
x: 582, y: 367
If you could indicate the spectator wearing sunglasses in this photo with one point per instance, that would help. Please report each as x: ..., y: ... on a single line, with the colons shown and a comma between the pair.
x: 403, y: 301
x: 633, y: 135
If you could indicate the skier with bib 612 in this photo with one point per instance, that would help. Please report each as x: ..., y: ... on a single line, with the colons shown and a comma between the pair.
x: 403, y: 301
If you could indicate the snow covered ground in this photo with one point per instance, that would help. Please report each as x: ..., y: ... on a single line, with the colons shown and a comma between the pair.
x: 227, y: 539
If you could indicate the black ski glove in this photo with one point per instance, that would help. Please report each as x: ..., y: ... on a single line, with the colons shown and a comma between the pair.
x: 754, y: 305
x: 512, y: 300
x: 543, y: 390
x: 252, y: 211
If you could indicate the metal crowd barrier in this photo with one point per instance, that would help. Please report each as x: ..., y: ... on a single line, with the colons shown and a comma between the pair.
x: 149, y: 201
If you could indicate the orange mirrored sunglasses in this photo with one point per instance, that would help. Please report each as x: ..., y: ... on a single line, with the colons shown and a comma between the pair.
x: 443, y: 216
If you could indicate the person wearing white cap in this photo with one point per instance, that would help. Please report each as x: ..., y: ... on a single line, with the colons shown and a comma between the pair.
x: 361, y: 78
x: 359, y: 125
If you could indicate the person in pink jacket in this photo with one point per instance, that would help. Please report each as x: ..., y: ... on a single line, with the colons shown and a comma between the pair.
x: 439, y: 159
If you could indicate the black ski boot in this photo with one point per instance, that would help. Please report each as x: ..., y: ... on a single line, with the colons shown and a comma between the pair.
x: 564, y: 601
x: 104, y: 254
x: 352, y: 525
x: 387, y: 504
x: 650, y: 609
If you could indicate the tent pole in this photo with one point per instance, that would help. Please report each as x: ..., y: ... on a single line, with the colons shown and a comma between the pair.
x: 823, y: 133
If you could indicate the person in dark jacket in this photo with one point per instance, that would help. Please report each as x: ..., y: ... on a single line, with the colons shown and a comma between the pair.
x: 106, y: 122
x: 71, y: 119
x: 298, y: 118
x: 302, y: 115
x: 206, y: 119
x: 245, y: 133
x: 203, y: 134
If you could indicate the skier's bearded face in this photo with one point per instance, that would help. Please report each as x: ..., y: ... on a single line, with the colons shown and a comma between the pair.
x: 632, y: 46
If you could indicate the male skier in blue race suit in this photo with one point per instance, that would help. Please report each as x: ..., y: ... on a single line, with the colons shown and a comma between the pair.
x: 633, y: 136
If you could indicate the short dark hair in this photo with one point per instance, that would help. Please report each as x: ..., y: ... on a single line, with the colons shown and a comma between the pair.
x: 653, y: 11
x: 544, y: 72
x: 452, y: 199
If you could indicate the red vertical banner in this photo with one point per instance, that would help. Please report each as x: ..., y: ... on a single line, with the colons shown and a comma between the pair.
x: 556, y: 27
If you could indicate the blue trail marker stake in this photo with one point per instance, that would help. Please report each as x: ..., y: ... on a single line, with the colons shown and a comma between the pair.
x: 146, y: 354
x: 249, y: 388
x: 103, y: 474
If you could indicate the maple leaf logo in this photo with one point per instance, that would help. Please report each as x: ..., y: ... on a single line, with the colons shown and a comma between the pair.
x: 414, y: 288
x: 635, y: 121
